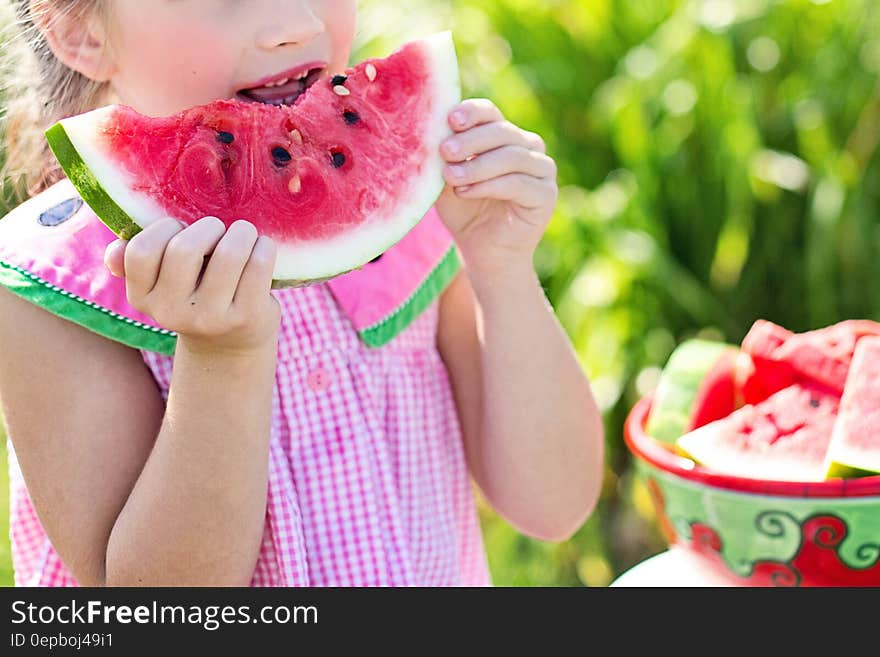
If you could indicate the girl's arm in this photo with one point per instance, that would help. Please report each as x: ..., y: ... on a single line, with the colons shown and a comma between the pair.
x: 127, y: 493
x: 532, y: 431
x: 83, y: 414
x: 196, y: 514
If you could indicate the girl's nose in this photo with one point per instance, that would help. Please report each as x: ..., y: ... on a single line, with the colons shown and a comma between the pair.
x: 294, y: 22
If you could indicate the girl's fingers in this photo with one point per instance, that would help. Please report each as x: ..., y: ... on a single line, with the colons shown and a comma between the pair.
x: 114, y: 257
x: 473, y: 112
x: 524, y: 190
x: 256, y: 278
x: 499, y: 162
x: 227, y: 262
x: 185, y: 254
x: 487, y: 137
x: 143, y: 257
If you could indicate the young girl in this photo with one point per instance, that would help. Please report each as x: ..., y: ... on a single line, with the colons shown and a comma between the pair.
x: 172, y: 428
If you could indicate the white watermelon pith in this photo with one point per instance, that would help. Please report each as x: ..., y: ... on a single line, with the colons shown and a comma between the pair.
x: 855, y: 441
x: 335, y: 179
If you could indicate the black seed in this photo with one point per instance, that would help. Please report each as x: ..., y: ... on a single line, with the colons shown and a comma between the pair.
x: 338, y: 159
x: 225, y: 137
x: 351, y: 117
x: 280, y: 155
x: 338, y: 79
x: 814, y: 402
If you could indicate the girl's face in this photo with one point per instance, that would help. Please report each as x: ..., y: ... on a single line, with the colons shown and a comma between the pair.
x: 168, y: 55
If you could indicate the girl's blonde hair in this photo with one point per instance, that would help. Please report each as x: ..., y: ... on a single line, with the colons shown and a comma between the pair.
x: 36, y: 90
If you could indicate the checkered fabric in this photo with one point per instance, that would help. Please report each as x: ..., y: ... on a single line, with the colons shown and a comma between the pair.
x: 367, y: 478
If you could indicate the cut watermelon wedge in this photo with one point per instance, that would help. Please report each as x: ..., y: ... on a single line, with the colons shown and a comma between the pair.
x: 335, y: 179
x: 783, y: 438
x: 822, y: 355
x: 855, y: 441
x: 696, y: 386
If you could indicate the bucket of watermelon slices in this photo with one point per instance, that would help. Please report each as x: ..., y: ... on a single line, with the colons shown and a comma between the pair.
x: 764, y: 458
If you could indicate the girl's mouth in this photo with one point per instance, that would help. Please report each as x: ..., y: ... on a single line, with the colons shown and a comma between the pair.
x: 281, y: 92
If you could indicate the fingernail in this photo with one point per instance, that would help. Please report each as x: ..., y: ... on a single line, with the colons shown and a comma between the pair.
x: 452, y: 147
x: 457, y: 171
x: 458, y: 117
x: 112, y: 248
x: 461, y: 189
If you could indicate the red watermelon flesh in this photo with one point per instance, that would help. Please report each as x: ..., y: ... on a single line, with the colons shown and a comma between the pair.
x: 855, y: 442
x: 717, y: 395
x: 335, y: 178
x: 823, y: 355
x: 783, y: 438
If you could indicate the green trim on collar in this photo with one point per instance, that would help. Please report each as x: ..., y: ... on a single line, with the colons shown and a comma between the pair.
x: 386, y: 329
x: 85, y: 313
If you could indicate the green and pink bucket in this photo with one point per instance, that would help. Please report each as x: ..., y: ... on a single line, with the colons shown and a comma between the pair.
x: 758, y: 532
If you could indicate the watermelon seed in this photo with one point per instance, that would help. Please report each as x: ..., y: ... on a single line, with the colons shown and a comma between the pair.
x: 814, y: 402
x: 338, y: 159
x: 296, y: 136
x: 294, y: 185
x: 281, y: 156
x: 340, y: 90
x: 371, y: 72
x: 225, y: 137
x: 338, y: 80
x: 351, y: 117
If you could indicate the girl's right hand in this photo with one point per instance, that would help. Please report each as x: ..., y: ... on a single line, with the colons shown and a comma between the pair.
x: 219, y: 305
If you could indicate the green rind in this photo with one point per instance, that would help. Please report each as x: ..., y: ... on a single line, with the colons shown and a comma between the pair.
x: 844, y: 471
x: 86, y: 313
x: 87, y: 184
x: 385, y: 330
x: 679, y: 385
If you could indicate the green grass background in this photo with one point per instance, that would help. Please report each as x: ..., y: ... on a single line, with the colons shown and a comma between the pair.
x: 5, y: 554
x: 717, y: 164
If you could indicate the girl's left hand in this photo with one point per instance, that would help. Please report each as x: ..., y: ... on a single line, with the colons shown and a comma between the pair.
x: 500, y: 188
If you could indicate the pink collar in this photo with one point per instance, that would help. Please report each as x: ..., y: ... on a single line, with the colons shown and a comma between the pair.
x: 52, y: 249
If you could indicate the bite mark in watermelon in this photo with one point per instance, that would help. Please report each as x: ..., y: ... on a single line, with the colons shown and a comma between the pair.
x: 855, y: 441
x: 334, y: 179
x: 783, y: 438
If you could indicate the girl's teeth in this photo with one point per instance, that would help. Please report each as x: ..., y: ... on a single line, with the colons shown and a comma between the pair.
x: 283, y: 81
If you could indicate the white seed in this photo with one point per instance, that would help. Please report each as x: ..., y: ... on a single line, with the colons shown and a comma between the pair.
x: 294, y: 185
x: 296, y: 137
x: 370, y: 70
x: 340, y: 90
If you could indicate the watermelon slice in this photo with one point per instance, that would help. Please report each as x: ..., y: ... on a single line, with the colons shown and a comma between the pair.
x: 783, y: 438
x: 335, y: 179
x: 696, y: 386
x: 855, y: 441
x: 822, y: 355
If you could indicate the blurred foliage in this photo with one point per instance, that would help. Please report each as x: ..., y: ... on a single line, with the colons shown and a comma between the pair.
x: 717, y: 164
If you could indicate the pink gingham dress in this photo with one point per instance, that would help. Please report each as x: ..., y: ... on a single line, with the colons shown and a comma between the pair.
x: 367, y: 478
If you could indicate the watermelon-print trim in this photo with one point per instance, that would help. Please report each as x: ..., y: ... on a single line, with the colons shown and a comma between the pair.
x: 86, y: 313
x: 383, y: 331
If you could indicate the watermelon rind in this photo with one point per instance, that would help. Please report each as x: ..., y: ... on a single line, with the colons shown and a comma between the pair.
x: 854, y: 450
x: 679, y: 385
x: 108, y: 190
x: 83, y: 178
